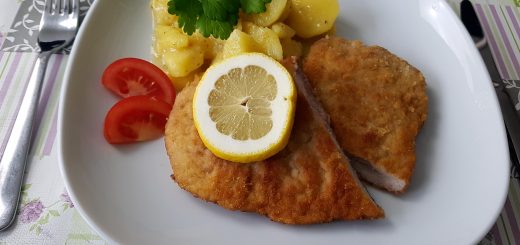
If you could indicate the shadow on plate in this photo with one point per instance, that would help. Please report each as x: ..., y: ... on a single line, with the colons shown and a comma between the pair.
x: 424, y: 148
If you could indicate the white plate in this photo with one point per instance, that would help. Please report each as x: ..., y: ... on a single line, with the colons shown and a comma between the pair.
x: 125, y: 193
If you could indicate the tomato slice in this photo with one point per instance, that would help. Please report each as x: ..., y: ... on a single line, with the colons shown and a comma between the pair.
x: 136, y: 118
x: 131, y: 76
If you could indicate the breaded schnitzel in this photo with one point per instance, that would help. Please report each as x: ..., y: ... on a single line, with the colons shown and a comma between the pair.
x: 377, y: 104
x: 310, y: 181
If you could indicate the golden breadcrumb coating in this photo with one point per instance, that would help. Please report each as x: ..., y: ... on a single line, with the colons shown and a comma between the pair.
x: 377, y: 102
x: 307, y: 182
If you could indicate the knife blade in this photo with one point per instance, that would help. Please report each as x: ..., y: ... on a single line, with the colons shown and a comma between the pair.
x: 507, y: 105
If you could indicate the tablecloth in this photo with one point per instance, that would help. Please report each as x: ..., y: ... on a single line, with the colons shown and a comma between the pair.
x: 46, y: 214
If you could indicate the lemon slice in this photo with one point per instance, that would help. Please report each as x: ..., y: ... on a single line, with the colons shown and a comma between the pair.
x: 243, y: 108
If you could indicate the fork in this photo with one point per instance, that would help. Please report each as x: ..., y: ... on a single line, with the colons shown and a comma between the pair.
x: 58, y: 28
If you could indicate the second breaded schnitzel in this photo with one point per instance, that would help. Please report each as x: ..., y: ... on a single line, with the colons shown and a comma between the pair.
x: 310, y: 181
x: 377, y: 104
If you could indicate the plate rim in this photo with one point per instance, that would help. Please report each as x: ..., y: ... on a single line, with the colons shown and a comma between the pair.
x: 62, y: 165
x: 112, y: 240
x: 472, y: 50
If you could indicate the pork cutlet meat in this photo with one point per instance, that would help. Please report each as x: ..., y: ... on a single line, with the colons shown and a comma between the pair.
x: 310, y: 181
x: 377, y: 104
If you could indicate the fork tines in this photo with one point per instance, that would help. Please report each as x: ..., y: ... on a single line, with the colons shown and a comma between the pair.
x: 61, y: 6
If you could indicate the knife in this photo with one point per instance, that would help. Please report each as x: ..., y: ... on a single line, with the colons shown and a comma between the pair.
x: 507, y: 105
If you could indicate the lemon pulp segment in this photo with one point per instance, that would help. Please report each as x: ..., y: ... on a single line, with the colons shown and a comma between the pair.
x: 240, y: 103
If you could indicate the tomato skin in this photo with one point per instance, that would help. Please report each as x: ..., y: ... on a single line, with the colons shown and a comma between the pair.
x: 136, y: 118
x: 132, y: 76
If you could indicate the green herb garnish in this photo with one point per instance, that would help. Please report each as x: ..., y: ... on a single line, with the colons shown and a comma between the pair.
x: 213, y: 17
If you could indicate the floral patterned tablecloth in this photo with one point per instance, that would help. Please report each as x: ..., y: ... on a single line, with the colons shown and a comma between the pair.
x: 46, y: 214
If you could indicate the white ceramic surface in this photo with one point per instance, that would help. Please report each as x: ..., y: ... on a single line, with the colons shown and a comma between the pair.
x: 458, y: 189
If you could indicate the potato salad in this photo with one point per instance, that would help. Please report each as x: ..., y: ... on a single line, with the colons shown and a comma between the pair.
x: 284, y: 29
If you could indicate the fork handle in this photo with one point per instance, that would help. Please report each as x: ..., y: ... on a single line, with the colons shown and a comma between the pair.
x: 12, y: 163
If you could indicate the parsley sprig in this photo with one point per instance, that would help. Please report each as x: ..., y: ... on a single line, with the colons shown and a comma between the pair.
x: 213, y: 17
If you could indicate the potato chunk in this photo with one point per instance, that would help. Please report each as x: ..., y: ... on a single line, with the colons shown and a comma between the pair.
x: 276, y: 10
x: 169, y: 38
x: 283, y: 30
x: 181, y: 62
x: 210, y: 46
x: 291, y: 47
x: 310, y: 17
x: 237, y: 43
x: 160, y: 13
x: 266, y: 38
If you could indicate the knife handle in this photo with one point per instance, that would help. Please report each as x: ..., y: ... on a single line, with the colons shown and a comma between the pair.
x: 13, y: 160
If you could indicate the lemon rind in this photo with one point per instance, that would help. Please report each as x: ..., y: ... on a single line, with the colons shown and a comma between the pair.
x: 260, y: 154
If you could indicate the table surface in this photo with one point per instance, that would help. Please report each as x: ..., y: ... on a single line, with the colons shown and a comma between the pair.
x: 46, y: 214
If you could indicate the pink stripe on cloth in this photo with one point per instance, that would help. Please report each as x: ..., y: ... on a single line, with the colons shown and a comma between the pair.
x: 515, y: 20
x: 507, y: 43
x: 49, y: 85
x: 494, y: 47
x: 496, y: 235
x: 51, y: 136
x: 512, y: 220
x: 11, y: 124
x: 9, y: 77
